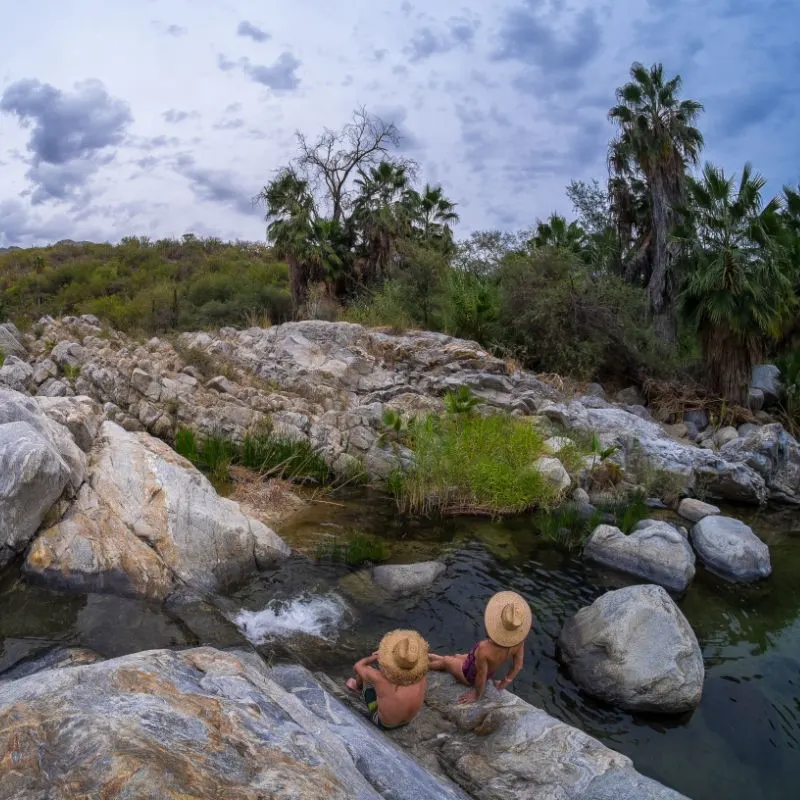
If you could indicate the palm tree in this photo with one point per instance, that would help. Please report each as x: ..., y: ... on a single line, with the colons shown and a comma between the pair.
x: 380, y: 215
x: 657, y: 141
x: 738, y: 291
x: 433, y: 214
x: 556, y: 232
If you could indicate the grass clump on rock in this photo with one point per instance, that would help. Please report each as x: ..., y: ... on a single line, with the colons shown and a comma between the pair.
x: 354, y: 550
x: 465, y: 463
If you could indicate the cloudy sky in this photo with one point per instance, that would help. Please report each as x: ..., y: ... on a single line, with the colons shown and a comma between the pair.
x: 158, y: 117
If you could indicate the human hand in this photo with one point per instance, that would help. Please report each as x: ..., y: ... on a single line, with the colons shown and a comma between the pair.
x: 500, y: 685
x: 469, y: 697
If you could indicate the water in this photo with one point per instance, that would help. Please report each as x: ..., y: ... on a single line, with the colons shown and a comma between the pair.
x: 742, y: 743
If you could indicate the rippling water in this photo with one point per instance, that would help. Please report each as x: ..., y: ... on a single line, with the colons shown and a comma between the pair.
x: 743, y: 743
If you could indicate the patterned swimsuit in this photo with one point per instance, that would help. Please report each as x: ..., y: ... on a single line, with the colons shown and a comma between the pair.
x: 470, y: 666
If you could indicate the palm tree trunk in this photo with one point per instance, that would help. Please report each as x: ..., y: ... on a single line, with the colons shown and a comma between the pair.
x: 657, y: 286
x: 297, y: 281
x: 729, y: 359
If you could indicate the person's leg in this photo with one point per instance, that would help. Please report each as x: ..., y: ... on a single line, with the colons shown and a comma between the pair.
x: 452, y: 664
x: 354, y: 684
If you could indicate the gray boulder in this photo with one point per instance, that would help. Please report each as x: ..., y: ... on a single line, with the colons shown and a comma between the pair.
x: 767, y: 378
x: 755, y: 399
x: 657, y: 553
x: 15, y: 373
x: 11, y: 340
x: 32, y: 477
x: 633, y: 648
x: 402, y: 579
x: 696, y: 417
x: 196, y: 723
x: 554, y: 472
x: 632, y: 396
x: 725, y: 435
x: 730, y: 549
x: 595, y: 390
x: 695, y: 510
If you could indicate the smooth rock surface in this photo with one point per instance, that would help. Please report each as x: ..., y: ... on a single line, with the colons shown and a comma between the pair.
x: 767, y: 378
x: 694, y: 510
x: 146, y: 523
x: 730, y: 549
x: 555, y: 473
x: 725, y: 435
x: 32, y: 477
x: 633, y: 648
x: 657, y: 553
x: 199, y: 723
x: 503, y: 748
x: 402, y: 579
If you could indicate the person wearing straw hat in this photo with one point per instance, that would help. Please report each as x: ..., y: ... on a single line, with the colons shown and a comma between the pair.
x: 394, y: 692
x: 508, y: 621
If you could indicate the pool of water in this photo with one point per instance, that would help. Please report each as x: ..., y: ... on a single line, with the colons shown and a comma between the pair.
x: 742, y: 743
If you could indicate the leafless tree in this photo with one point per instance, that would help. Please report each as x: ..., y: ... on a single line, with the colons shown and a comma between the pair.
x: 331, y: 162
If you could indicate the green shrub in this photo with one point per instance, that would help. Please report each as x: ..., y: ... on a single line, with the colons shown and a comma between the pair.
x: 627, y: 513
x: 355, y: 550
x: 186, y: 444
x: 2, y: 356
x: 471, y: 306
x: 790, y: 399
x: 71, y: 371
x: 386, y: 307
x: 217, y: 453
x: 288, y: 458
x: 567, y: 528
x: 461, y: 401
x: 470, y: 464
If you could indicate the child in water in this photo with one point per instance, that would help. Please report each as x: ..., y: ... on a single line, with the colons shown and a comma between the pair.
x: 394, y: 692
x: 508, y: 621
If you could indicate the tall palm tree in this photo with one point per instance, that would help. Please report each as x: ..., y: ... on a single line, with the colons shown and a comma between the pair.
x: 738, y: 291
x: 556, y: 232
x: 291, y: 216
x: 380, y: 215
x: 657, y: 140
x: 432, y: 213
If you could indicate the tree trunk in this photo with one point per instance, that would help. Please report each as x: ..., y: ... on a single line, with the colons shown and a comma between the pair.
x: 657, y: 286
x: 729, y: 359
x: 297, y: 281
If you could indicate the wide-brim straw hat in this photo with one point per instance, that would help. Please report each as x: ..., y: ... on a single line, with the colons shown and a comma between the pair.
x: 508, y: 619
x: 403, y: 657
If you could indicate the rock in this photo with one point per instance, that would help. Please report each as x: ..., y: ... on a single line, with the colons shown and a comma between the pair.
x: 725, y: 435
x: 695, y: 510
x: 54, y: 388
x: 15, y: 374
x: 403, y: 579
x: 553, y: 470
x: 595, y: 390
x: 767, y: 378
x: 81, y: 416
x: 147, y: 523
x: 677, y: 431
x: 11, y: 341
x: 747, y: 428
x: 44, y: 370
x: 633, y: 648
x: 692, y: 431
x: 67, y: 354
x: 763, y: 418
x: 223, y: 384
x: 581, y: 497
x: 639, y: 411
x: 195, y: 723
x: 53, y: 658
x: 730, y: 549
x: 755, y: 399
x: 555, y: 444
x: 774, y: 454
x: 696, y: 417
x: 657, y: 553
x: 631, y: 396
x: 32, y: 477
x: 503, y: 748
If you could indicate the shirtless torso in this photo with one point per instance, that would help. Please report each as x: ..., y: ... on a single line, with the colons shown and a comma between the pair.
x: 396, y: 704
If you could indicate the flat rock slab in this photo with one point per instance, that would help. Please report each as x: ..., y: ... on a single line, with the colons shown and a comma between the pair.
x: 199, y: 723
x: 657, y: 553
x: 634, y: 649
x: 730, y: 549
x: 402, y: 579
x: 695, y: 510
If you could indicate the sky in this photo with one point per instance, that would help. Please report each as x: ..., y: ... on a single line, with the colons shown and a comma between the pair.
x: 161, y: 117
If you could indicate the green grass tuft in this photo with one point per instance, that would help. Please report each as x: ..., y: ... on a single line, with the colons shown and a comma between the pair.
x: 71, y: 371
x: 472, y: 465
x: 566, y: 528
x: 355, y: 550
x: 186, y: 444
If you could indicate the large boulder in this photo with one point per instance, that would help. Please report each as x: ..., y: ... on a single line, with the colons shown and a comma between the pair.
x: 403, y: 579
x: 730, y: 549
x: 503, y: 748
x: 656, y: 553
x: 190, y: 724
x: 695, y: 510
x: 554, y: 472
x: 774, y: 454
x: 81, y: 416
x: 146, y: 523
x: 15, y: 374
x: 767, y: 379
x: 32, y: 477
x: 634, y: 649
x: 11, y: 341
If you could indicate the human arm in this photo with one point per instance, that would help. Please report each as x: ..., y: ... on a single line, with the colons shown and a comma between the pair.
x: 365, y: 671
x: 481, y: 674
x: 516, y: 668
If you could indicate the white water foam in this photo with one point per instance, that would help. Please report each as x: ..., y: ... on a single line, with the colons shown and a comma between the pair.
x: 313, y: 615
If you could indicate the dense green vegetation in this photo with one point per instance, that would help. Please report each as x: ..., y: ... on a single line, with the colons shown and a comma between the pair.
x: 353, y: 549
x: 148, y: 286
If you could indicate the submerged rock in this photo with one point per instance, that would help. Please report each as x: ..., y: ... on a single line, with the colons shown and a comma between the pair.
x: 146, y: 523
x: 657, y: 553
x: 730, y: 549
x: 634, y: 648
x: 402, y: 579
x: 695, y: 510
x: 196, y: 723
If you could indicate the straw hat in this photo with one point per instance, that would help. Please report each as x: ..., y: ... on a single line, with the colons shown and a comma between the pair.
x: 403, y: 657
x: 508, y: 619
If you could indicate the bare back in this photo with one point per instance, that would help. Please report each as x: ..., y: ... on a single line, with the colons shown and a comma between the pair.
x: 398, y: 704
x: 495, y: 655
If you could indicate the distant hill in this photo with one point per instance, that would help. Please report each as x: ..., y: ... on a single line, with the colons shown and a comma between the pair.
x: 151, y: 286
